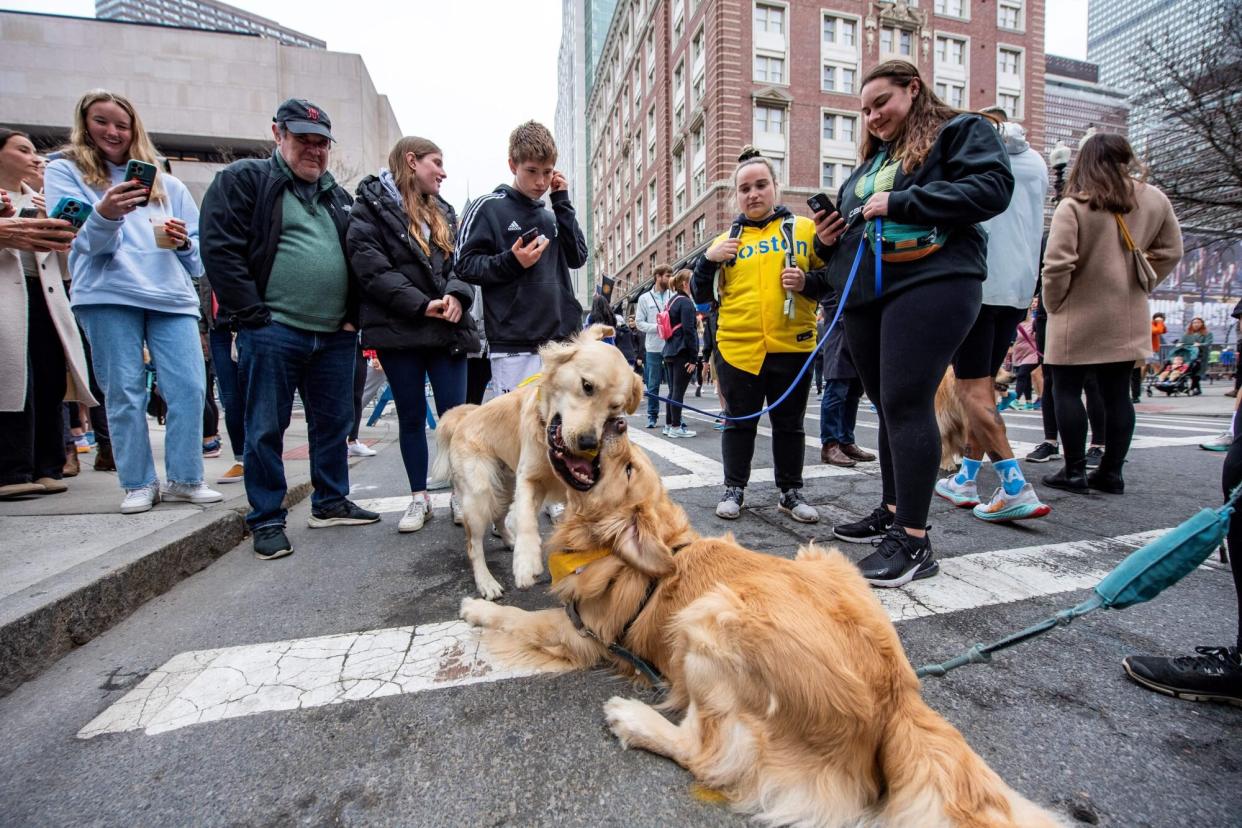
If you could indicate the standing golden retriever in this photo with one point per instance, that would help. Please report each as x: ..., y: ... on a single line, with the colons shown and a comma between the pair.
x: 529, y: 445
x: 800, y: 705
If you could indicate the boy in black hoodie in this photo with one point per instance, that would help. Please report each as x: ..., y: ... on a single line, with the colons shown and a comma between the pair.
x: 528, y: 298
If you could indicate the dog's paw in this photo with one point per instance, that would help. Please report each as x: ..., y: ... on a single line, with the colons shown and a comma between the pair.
x: 477, y: 612
x: 490, y: 588
x: 525, y: 572
x: 625, y: 718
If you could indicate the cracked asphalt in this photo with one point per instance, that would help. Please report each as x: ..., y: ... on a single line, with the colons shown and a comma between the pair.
x: 1056, y: 717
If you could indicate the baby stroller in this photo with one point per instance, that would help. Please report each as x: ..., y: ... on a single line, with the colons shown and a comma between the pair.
x: 1175, y: 376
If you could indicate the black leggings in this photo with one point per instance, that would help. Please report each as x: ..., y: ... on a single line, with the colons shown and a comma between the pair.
x: 1095, y: 407
x: 1114, y: 384
x: 360, y: 384
x: 1022, y: 381
x: 678, y: 382
x: 1231, y: 476
x: 742, y: 393
x: 901, y: 347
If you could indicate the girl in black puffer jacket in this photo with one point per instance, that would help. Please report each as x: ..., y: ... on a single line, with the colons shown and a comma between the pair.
x: 414, y: 308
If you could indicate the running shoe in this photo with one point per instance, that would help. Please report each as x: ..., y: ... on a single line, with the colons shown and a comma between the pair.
x: 898, y: 559
x: 959, y: 494
x: 730, y: 505
x: 1221, y: 442
x: 1045, y: 451
x: 681, y: 431
x: 872, y: 527
x: 1022, y: 506
x: 1094, y: 455
x: 1215, y: 674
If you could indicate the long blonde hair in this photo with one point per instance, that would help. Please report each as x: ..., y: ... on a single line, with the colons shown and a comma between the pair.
x: 421, y: 208
x: 90, y: 159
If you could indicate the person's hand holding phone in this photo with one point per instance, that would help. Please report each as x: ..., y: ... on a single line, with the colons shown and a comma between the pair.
x: 39, y: 202
x: 829, y: 227
x: 528, y: 254
x: 121, y: 200
x: 36, y: 235
x: 724, y: 250
x: 559, y: 183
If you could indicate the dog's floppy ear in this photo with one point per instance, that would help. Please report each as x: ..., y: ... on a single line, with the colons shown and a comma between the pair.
x: 597, y: 332
x: 637, y: 389
x: 555, y: 354
x: 641, y: 546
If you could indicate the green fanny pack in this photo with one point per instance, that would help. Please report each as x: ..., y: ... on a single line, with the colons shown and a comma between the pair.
x: 898, y: 242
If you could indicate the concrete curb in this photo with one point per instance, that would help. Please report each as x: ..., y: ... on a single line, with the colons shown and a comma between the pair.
x: 43, y: 622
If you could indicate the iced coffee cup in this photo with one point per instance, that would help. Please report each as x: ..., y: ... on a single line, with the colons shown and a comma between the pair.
x: 159, y: 226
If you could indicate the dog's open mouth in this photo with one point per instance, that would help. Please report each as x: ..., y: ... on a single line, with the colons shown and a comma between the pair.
x: 580, y: 473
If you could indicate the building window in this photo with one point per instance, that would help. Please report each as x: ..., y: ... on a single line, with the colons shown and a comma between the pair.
x: 1009, y: 14
x: 700, y: 229
x: 778, y: 166
x: 839, y: 127
x: 838, y: 78
x: 895, y: 41
x: 679, y: 245
x: 769, y: 69
x: 640, y: 221
x: 679, y: 75
x: 770, y: 119
x: 1009, y: 62
x: 652, y: 213
x: 950, y: 51
x: 950, y: 8
x: 1011, y: 103
x: 840, y: 32
x: 698, y: 89
x: 769, y: 19
x: 834, y: 174
x: 696, y: 47
x: 954, y: 94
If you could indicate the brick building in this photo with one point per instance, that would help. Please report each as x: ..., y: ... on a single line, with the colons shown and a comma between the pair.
x: 682, y: 85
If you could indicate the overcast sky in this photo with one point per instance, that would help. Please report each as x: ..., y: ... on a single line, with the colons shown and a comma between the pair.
x: 464, y: 73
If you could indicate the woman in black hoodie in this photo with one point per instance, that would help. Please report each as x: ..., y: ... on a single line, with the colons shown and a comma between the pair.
x: 928, y: 175
x: 414, y: 308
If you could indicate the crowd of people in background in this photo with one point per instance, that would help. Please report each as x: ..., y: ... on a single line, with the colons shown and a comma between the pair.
x: 931, y: 256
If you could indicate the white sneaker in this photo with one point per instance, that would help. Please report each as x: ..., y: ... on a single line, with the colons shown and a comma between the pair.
x: 415, y: 516
x: 190, y: 493
x: 140, y: 499
x: 361, y: 449
x: 667, y: 431
x: 1005, y: 507
x: 682, y: 431
x: 963, y: 495
x: 455, y: 509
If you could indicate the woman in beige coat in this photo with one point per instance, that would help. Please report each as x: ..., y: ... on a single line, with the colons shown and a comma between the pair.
x: 1098, y: 314
x: 42, y: 362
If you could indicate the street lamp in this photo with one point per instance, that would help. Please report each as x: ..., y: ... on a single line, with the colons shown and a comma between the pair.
x: 1059, y: 158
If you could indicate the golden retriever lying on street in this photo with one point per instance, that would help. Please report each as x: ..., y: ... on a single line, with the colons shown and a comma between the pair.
x: 531, y: 444
x: 800, y: 705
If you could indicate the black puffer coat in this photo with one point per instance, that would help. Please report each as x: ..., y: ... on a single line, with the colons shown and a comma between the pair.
x: 397, y: 280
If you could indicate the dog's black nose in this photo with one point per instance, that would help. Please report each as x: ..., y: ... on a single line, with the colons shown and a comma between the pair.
x: 587, y: 442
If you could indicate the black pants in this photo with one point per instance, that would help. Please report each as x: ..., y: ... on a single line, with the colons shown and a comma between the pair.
x: 478, y: 375
x: 360, y: 384
x: 1095, y: 407
x: 1231, y: 476
x: 742, y: 393
x: 211, y: 412
x: 1136, y: 383
x: 678, y: 382
x: 32, y: 440
x: 818, y: 371
x: 1022, y: 381
x: 1114, y: 388
x: 901, y: 346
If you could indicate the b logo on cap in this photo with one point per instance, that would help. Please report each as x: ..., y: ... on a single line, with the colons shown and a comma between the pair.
x: 312, y: 113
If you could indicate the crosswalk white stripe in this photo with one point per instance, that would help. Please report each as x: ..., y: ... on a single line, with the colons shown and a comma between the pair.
x: 211, y: 685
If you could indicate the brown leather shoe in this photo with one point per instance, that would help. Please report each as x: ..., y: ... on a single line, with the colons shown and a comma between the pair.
x: 12, y: 490
x: 72, y: 465
x: 103, y: 457
x: 852, y: 451
x: 831, y: 453
x: 52, y: 486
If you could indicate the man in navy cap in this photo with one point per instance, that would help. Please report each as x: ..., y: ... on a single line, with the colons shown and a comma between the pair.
x: 272, y: 233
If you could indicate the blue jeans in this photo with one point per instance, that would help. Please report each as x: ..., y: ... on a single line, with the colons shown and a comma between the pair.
x: 117, y: 334
x: 273, y: 362
x: 653, y: 373
x: 228, y: 380
x: 407, y: 370
x: 838, y: 410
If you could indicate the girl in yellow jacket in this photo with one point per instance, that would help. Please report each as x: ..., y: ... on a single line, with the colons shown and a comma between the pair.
x: 762, y: 273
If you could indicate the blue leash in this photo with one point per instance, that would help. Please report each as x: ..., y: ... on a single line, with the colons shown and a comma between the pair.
x: 849, y: 283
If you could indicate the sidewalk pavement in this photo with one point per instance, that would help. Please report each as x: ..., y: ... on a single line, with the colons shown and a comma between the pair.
x: 71, y: 565
x: 1212, y: 403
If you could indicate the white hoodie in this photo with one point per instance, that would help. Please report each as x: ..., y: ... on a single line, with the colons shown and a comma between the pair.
x: 1014, y: 236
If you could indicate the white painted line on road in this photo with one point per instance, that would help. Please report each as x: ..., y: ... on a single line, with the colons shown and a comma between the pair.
x: 211, y: 685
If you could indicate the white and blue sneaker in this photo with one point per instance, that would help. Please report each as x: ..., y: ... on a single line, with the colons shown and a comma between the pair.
x: 1022, y: 506
x: 959, y: 494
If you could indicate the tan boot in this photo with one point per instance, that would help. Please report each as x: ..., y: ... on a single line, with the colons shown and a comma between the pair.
x: 72, y: 465
x: 52, y: 485
x: 20, y: 490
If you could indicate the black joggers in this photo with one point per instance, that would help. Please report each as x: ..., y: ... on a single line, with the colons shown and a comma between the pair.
x: 742, y: 393
x: 901, y: 347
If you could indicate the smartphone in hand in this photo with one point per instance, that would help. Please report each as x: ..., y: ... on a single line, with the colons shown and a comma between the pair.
x: 143, y: 173
x: 529, y: 236
x: 819, y: 202
x: 71, y: 210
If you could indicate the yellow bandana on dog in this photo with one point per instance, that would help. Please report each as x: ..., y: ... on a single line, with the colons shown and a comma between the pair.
x: 564, y: 564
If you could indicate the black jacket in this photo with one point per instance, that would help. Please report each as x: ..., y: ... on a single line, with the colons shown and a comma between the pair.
x: 397, y: 280
x: 685, y: 339
x: 964, y: 180
x: 627, y: 341
x: 522, y: 308
x: 239, y: 231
